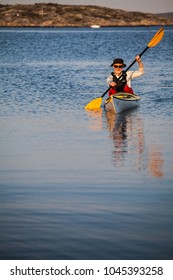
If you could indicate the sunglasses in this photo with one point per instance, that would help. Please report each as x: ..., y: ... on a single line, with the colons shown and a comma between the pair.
x: 118, y: 66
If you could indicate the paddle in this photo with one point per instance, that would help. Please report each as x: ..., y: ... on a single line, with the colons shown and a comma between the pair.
x: 97, y: 102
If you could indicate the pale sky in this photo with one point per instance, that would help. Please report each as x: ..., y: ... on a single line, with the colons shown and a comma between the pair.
x: 152, y: 6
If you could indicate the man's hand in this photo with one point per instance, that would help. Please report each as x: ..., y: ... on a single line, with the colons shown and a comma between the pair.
x: 112, y: 84
x: 138, y: 58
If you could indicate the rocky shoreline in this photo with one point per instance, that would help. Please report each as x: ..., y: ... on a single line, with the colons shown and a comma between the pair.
x: 57, y: 15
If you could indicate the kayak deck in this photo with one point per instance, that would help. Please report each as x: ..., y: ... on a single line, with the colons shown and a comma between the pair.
x: 121, y: 101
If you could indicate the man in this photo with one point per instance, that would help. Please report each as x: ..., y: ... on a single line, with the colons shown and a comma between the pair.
x: 124, y: 83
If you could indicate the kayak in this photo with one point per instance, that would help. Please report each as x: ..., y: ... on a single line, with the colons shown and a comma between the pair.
x: 121, y: 101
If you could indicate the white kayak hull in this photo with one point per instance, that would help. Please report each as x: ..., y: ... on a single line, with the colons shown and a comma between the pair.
x: 121, y: 101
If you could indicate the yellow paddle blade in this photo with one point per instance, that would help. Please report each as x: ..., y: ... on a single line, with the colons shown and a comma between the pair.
x: 157, y: 38
x: 94, y: 104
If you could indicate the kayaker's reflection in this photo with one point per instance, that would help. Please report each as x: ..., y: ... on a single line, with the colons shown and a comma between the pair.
x: 119, y: 138
x: 126, y: 130
x: 119, y: 128
x: 129, y: 144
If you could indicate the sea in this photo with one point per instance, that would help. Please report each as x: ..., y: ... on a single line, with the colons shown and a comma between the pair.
x: 77, y: 184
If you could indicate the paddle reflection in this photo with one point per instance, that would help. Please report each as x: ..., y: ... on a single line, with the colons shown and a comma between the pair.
x: 155, y: 164
x: 95, y: 119
x: 126, y: 131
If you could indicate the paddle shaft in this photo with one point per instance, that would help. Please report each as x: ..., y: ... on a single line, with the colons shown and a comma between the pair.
x: 135, y: 60
x: 127, y: 69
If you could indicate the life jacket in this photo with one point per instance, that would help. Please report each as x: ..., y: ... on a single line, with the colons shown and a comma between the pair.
x: 121, y: 84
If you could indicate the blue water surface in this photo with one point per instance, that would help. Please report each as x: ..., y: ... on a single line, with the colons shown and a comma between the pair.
x: 78, y: 184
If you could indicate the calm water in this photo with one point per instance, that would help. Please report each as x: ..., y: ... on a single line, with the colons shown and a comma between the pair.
x: 77, y: 184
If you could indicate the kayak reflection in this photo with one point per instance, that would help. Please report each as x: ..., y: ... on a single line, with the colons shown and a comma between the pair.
x: 128, y: 138
x: 127, y: 133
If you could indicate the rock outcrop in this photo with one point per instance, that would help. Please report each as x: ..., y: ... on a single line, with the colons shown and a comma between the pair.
x: 56, y: 15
